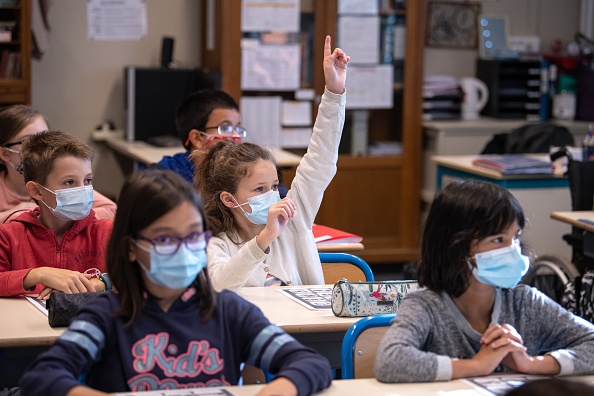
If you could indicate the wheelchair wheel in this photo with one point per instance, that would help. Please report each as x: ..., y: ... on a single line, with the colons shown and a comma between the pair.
x: 550, y: 274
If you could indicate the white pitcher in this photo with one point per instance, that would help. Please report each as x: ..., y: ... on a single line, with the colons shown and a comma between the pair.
x: 476, y: 95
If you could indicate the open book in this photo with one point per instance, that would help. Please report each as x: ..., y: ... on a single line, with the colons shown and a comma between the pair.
x: 324, y: 235
x: 514, y: 164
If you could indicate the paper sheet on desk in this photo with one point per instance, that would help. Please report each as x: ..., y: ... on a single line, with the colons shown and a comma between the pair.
x: 311, y: 297
x: 218, y: 391
x: 39, y: 304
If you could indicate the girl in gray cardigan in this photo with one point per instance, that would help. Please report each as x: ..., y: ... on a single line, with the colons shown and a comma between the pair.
x: 472, y: 320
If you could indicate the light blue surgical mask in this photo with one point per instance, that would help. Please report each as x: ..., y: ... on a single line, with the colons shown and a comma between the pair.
x: 175, y: 271
x: 502, y: 267
x: 260, y: 205
x: 72, y: 203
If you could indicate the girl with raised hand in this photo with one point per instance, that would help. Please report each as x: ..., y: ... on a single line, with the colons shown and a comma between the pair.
x: 259, y: 239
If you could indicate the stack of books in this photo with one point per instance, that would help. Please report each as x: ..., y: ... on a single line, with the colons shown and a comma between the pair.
x: 442, y: 98
x: 514, y: 164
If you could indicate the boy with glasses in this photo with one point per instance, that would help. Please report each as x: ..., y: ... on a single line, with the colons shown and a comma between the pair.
x: 201, y: 118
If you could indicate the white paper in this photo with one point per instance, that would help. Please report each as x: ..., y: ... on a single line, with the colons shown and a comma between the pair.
x: 358, y: 7
x: 296, y: 113
x: 295, y: 138
x: 270, y: 15
x: 39, y: 304
x: 270, y: 67
x: 261, y: 117
x: 208, y: 391
x: 370, y: 87
x: 116, y: 20
x: 359, y: 37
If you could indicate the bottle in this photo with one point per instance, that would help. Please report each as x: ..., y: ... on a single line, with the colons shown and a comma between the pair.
x: 588, y: 145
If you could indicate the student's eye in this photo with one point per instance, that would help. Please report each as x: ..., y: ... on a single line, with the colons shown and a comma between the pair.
x: 275, y: 187
x: 164, y: 240
x: 89, y: 181
x: 259, y: 189
x: 498, y: 240
x: 68, y: 182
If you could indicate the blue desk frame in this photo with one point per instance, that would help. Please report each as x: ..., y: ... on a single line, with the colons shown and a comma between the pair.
x: 525, y: 182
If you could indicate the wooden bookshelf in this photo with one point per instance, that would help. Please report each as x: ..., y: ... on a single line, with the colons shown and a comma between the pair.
x: 15, y: 54
x: 376, y: 197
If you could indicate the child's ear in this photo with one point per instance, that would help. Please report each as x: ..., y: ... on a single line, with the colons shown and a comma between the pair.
x: 195, y: 139
x: 34, y: 190
x: 227, y: 200
x: 5, y: 155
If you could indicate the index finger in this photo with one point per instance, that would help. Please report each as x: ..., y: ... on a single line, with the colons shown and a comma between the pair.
x: 327, y: 46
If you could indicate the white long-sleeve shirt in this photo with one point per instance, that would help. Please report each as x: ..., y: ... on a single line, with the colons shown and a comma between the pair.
x: 293, y: 256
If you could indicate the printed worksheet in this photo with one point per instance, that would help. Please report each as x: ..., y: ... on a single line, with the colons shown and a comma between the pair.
x: 312, y: 297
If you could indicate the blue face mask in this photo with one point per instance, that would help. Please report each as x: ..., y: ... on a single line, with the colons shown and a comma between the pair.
x: 502, y: 267
x: 72, y: 203
x: 175, y: 271
x: 260, y: 205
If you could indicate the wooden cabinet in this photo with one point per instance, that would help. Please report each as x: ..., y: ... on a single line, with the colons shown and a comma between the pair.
x: 377, y: 197
x: 15, y: 52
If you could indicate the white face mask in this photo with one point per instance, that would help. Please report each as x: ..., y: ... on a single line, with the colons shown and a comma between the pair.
x: 72, y: 203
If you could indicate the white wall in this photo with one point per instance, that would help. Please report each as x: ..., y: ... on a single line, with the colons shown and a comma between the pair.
x: 78, y: 83
x: 548, y: 19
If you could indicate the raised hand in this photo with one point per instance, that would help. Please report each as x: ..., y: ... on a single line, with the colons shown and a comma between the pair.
x: 335, y: 67
x: 279, y: 214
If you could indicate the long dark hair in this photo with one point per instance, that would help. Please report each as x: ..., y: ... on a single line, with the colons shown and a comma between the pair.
x: 464, y: 210
x: 145, y: 197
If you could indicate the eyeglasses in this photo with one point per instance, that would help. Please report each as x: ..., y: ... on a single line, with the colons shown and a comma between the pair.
x: 227, y: 130
x: 166, y: 245
x: 9, y: 145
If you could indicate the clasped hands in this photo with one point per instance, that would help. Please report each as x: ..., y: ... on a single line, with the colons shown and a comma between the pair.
x: 502, y: 344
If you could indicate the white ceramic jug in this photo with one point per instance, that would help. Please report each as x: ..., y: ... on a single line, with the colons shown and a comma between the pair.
x: 476, y: 95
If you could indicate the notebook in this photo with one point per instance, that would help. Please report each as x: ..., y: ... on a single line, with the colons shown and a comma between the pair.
x: 324, y: 235
x: 514, y: 164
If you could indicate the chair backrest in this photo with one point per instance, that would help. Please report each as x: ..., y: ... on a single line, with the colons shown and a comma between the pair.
x: 529, y: 138
x: 360, y: 344
x: 337, y: 266
x: 581, y: 184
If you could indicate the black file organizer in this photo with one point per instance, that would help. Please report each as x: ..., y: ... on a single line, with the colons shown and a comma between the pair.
x: 514, y: 88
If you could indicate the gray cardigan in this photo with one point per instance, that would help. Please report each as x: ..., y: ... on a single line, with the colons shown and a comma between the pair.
x: 293, y: 256
x: 429, y: 330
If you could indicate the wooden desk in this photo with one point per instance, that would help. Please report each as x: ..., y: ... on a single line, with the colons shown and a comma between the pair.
x: 539, y: 195
x: 148, y: 154
x: 572, y: 218
x: 367, y: 386
x: 341, y: 247
x: 24, y: 325
x: 469, y: 137
x: 318, y: 329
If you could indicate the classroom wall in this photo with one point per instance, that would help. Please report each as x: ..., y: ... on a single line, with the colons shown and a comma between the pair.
x: 548, y: 19
x: 79, y: 83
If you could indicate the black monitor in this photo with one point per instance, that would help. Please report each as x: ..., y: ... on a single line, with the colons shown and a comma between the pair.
x: 152, y: 96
